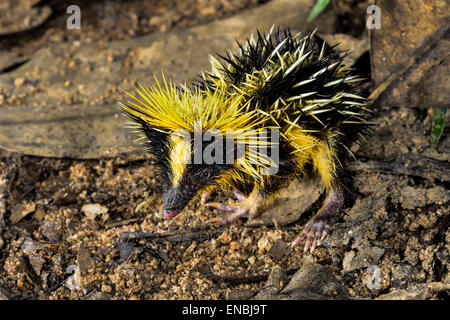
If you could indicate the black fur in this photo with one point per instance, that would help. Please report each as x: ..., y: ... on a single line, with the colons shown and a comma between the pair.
x: 254, y: 56
x: 157, y: 143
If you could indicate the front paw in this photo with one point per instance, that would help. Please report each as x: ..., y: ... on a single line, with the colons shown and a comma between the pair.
x: 246, y: 207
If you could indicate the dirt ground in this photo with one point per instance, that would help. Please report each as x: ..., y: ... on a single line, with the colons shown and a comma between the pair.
x: 67, y: 227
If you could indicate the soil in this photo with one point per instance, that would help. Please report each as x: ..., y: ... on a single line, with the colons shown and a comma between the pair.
x: 69, y: 228
x: 110, y: 20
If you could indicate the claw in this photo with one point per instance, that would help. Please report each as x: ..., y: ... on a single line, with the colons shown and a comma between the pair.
x: 220, y: 206
x: 324, y: 232
x: 203, y: 200
x: 246, y: 207
x: 314, y: 232
x: 239, y: 213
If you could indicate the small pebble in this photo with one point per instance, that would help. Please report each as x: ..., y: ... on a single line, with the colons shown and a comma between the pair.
x: 224, y: 238
x: 18, y: 82
x: 36, y: 262
x: 373, y: 278
x: 14, y: 265
x: 263, y: 243
x: 93, y: 210
x: 106, y: 288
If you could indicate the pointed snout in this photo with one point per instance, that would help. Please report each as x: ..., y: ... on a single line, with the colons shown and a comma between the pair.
x: 176, y: 199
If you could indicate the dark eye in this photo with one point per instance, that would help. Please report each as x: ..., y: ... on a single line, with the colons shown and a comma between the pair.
x: 205, y: 174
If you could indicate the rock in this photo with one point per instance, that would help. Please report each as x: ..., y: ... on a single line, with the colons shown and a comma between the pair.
x: 403, y: 275
x: 5, y: 293
x: 411, y: 68
x: 348, y: 259
x: 125, y: 249
x: 372, y: 278
x: 366, y: 255
x: 277, y: 278
x: 57, y: 261
x: 10, y: 60
x: 51, y: 230
x: 36, y: 262
x: 14, y: 265
x: 413, y: 197
x: 97, y: 295
x: 239, y: 295
x: 29, y: 246
x: 73, y: 282
x: 22, y: 15
x: 359, y: 220
x: 100, y: 196
x: 275, y: 282
x: 21, y: 210
x: 278, y: 249
x: 263, y: 244
x: 444, y: 145
x: 64, y: 197
x: 312, y: 278
x: 336, y: 258
x: 93, y: 210
x: 106, y: 288
x: 311, y: 282
x: 78, y: 131
x: 3, y: 183
x: 18, y: 82
x: 85, y: 261
x: 417, y: 292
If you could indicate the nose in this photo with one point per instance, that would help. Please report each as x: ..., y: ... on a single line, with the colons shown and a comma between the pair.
x: 168, y: 213
x: 175, y: 199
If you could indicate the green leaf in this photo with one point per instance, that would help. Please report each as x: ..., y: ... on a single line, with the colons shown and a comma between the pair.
x: 438, y: 125
x: 318, y: 8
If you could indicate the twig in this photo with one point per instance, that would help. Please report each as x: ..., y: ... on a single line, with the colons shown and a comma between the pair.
x: 115, y: 224
x: 5, y: 293
x: 240, y: 279
x: 209, y: 272
x: 408, y: 164
x: 173, y: 236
